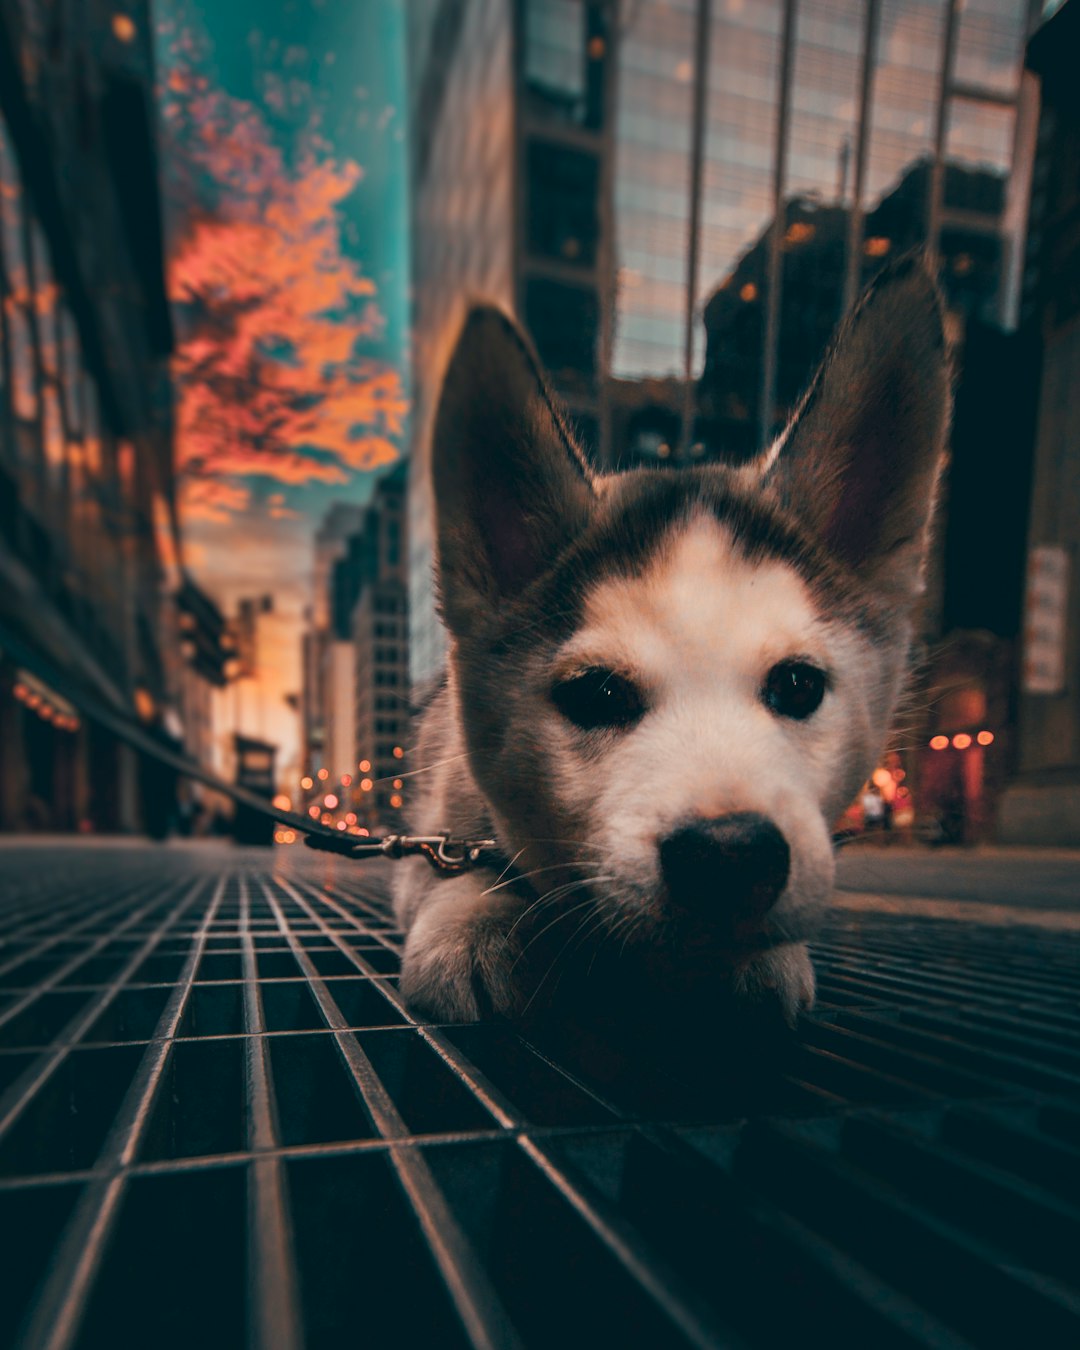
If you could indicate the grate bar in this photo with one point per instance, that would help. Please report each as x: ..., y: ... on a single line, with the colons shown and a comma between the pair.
x: 481, y: 1312
x: 23, y: 1090
x: 63, y: 1300
x: 233, y: 1100
x: 500, y: 1109
x: 275, y: 1314
x: 643, y: 1272
x: 70, y: 930
x: 67, y: 967
x: 947, y: 1266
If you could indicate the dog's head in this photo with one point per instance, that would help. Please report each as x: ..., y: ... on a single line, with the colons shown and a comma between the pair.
x: 673, y: 680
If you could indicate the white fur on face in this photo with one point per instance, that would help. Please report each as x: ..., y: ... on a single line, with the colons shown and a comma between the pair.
x: 698, y: 633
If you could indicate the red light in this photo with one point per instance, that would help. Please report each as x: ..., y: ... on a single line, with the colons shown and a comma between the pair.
x: 985, y: 738
x: 330, y: 801
x: 346, y: 779
x: 341, y: 825
x: 961, y: 740
x: 323, y: 775
x: 939, y: 742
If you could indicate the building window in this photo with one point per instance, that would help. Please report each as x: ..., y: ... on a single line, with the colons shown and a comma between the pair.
x: 563, y: 184
x: 563, y: 321
x: 555, y: 55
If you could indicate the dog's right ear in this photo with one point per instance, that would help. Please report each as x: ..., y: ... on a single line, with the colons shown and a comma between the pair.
x: 511, y: 487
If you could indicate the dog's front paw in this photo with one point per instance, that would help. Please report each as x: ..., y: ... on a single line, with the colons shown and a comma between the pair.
x: 459, y: 967
x: 781, y: 978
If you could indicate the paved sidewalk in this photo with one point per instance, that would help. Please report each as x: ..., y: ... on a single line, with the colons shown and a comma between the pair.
x: 1024, y: 878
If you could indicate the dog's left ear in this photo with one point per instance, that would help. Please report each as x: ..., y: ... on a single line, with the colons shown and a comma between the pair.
x: 861, y: 459
x: 511, y: 487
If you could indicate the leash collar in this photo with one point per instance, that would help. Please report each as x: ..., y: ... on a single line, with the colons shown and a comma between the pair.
x: 448, y: 856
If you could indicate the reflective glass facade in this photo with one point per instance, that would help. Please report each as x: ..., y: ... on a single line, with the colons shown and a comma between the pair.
x: 555, y: 156
x: 897, y: 47
x: 462, y: 137
x: 85, y: 452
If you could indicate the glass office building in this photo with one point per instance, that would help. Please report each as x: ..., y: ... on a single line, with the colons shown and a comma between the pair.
x: 690, y: 192
x: 830, y: 104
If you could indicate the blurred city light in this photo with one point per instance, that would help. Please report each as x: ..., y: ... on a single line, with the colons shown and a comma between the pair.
x: 123, y: 28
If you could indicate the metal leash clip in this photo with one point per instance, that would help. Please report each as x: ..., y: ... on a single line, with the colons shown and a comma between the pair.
x: 446, y: 855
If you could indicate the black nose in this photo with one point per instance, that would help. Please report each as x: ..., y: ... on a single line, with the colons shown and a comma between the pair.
x: 731, y: 868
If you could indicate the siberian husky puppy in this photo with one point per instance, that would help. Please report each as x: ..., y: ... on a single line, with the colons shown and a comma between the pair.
x: 665, y: 684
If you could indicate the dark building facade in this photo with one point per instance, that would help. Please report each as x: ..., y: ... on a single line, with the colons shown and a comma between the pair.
x: 511, y: 102
x: 1042, y: 804
x: 85, y: 436
x: 364, y: 675
x: 341, y: 522
x: 380, y: 639
x: 814, y: 252
x: 971, y: 617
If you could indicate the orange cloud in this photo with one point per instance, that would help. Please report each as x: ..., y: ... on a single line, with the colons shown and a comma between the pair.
x: 271, y: 313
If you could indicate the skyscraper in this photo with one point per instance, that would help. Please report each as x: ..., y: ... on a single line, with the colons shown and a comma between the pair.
x: 510, y: 113
x: 1043, y: 804
x: 600, y: 168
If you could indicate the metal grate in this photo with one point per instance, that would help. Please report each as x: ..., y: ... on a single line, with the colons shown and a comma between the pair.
x: 219, y: 1126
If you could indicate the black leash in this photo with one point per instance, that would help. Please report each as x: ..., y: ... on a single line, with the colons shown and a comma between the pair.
x: 448, y: 856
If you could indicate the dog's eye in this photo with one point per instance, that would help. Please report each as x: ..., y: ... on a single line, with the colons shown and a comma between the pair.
x: 794, y: 689
x: 598, y: 698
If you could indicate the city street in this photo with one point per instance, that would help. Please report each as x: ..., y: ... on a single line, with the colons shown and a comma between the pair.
x: 194, y: 1035
x: 574, y: 421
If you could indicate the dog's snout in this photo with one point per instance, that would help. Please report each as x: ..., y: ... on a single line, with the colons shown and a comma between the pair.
x: 733, y: 867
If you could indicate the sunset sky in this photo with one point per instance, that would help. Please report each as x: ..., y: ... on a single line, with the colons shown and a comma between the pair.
x: 284, y: 168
